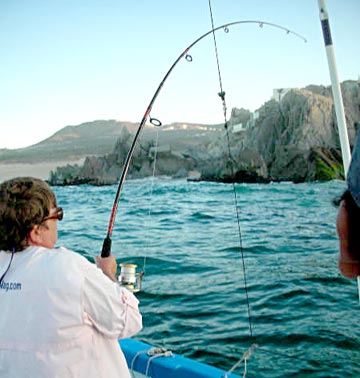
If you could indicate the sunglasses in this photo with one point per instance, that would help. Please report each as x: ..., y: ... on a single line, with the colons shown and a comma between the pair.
x: 59, y: 214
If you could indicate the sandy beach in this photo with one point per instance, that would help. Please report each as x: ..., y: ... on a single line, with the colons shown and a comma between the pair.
x: 40, y: 170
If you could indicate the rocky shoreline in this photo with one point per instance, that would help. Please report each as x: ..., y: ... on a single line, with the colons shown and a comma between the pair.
x: 292, y: 138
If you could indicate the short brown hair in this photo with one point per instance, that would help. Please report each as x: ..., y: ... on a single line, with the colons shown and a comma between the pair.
x: 24, y: 202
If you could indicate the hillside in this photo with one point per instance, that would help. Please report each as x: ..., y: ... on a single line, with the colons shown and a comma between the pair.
x: 98, y: 138
x: 73, y: 144
x: 70, y: 143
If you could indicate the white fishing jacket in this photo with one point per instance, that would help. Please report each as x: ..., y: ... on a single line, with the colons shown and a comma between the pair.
x: 60, y: 316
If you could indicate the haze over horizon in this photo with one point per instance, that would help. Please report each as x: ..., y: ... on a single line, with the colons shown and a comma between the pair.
x: 69, y: 62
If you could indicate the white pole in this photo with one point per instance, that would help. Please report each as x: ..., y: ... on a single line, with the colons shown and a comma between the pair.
x: 336, y: 90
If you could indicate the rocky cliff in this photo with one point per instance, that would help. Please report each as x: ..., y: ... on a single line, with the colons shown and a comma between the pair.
x: 295, y: 139
x: 175, y: 150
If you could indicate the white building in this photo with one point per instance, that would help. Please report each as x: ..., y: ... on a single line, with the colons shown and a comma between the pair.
x: 239, y: 127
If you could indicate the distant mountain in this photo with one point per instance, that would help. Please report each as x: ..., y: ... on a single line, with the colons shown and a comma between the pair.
x: 97, y: 138
x: 71, y: 143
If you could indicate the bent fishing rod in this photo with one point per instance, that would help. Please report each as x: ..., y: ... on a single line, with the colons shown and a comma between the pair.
x: 106, y: 249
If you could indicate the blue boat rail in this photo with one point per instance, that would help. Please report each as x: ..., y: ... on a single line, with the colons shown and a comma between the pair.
x: 144, y: 360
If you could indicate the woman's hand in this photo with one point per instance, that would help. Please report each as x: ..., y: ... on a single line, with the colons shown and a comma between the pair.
x: 108, y: 266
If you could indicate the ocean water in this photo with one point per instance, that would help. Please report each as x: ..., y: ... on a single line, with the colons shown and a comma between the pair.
x: 215, y: 286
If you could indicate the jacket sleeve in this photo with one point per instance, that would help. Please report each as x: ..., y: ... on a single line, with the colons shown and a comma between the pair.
x: 111, y: 309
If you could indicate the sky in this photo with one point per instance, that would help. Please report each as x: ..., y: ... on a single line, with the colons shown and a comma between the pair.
x: 66, y: 62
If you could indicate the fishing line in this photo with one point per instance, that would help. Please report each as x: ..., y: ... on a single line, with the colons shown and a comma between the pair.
x: 230, y: 162
x: 152, y: 190
x: 221, y: 93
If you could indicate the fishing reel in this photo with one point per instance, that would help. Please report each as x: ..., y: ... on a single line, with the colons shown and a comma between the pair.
x: 130, y: 278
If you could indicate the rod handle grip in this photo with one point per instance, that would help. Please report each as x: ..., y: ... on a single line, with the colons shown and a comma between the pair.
x: 106, y: 248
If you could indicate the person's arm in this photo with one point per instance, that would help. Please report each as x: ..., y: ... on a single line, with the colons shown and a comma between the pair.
x: 348, y: 229
x: 112, y: 310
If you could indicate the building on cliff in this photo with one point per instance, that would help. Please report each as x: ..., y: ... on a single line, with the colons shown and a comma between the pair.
x: 249, y: 123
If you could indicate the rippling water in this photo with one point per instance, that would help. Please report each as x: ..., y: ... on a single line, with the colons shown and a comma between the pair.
x: 301, y: 313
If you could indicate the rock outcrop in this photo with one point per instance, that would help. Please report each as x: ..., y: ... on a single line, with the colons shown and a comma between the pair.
x: 295, y: 139
x: 171, y: 160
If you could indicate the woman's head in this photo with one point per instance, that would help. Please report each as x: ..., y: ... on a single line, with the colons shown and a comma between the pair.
x: 24, y: 203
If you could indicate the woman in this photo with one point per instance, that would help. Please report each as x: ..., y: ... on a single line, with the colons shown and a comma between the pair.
x: 61, y: 316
